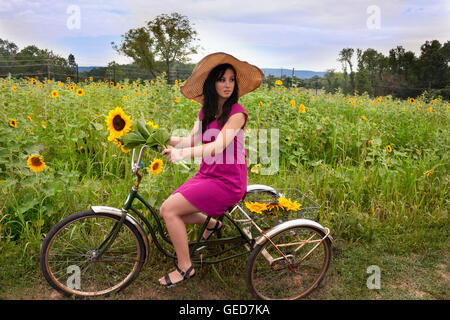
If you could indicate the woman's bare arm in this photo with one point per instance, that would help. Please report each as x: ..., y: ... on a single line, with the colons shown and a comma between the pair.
x: 185, y: 142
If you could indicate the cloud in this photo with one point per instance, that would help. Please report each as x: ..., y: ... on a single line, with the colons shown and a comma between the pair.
x: 303, y: 34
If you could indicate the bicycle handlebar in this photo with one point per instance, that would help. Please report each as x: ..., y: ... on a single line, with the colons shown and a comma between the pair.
x: 135, y: 166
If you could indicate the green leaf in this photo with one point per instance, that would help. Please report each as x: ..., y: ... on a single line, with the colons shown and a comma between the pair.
x: 132, y: 140
x: 142, y: 128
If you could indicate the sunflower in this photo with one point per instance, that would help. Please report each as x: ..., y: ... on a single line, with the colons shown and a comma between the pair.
x: 363, y: 117
x: 119, y: 124
x: 14, y: 88
x: 124, y: 150
x: 125, y: 98
x: 389, y: 148
x: 153, y: 125
x: 118, y: 143
x: 274, y: 206
x: 255, y: 168
x: 430, y: 109
x: 80, y: 92
x: 177, y: 100
x: 55, y: 94
x: 256, y: 206
x: 13, y: 123
x: 68, y: 79
x: 429, y: 172
x: 29, y: 118
x: 287, y: 204
x: 411, y: 100
x: 36, y: 163
x: 278, y: 82
x: 301, y: 108
x: 293, y: 103
x: 156, y: 166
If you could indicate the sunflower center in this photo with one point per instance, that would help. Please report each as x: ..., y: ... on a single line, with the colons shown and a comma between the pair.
x: 156, y: 166
x: 118, y: 123
x: 35, y: 161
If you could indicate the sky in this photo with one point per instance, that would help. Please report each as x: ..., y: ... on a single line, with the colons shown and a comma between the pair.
x: 305, y: 35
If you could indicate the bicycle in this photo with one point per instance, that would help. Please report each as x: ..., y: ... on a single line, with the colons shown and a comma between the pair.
x: 101, y: 251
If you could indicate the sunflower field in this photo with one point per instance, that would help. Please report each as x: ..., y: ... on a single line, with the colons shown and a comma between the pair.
x: 377, y: 165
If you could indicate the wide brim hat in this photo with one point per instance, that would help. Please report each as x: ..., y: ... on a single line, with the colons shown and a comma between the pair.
x: 248, y: 76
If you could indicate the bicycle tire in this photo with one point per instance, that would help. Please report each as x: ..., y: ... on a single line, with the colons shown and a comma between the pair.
x: 281, y: 285
x: 59, y: 231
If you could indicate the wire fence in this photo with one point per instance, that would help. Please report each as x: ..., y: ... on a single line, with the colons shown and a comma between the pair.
x: 60, y: 70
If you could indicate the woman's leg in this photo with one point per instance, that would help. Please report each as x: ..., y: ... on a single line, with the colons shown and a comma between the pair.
x: 200, y: 218
x: 173, y: 210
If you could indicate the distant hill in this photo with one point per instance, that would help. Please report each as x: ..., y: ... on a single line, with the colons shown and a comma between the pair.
x: 87, y: 69
x: 302, y: 74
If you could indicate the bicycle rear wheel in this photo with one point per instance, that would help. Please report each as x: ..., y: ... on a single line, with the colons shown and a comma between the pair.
x: 288, y: 266
x: 68, y: 257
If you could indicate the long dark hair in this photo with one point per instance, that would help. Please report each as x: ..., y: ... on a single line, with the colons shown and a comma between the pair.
x: 210, y: 102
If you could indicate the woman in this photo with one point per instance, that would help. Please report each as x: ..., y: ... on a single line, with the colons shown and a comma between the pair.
x: 217, y: 82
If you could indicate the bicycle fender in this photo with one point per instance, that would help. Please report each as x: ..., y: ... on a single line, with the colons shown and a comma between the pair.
x: 261, y: 187
x: 291, y: 223
x: 129, y: 218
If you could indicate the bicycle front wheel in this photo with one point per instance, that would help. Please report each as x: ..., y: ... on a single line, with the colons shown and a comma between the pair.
x: 289, y: 265
x: 69, y: 259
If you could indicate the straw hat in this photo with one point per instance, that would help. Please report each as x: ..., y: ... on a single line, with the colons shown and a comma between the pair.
x: 249, y: 77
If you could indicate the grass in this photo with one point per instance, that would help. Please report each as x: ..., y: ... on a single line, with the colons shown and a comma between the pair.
x: 385, y: 207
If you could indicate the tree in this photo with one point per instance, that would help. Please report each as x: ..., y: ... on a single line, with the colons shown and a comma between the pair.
x: 7, y: 48
x: 371, y: 65
x: 345, y: 57
x: 332, y: 81
x: 174, y: 36
x: 433, y: 65
x: 166, y: 37
x: 71, y: 60
x: 138, y: 44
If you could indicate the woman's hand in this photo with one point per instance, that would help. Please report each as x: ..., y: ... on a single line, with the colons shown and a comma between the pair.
x: 173, y: 154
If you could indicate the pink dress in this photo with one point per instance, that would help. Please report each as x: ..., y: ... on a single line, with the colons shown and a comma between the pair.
x: 222, y: 179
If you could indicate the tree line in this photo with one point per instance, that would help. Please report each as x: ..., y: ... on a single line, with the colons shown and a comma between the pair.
x: 400, y: 73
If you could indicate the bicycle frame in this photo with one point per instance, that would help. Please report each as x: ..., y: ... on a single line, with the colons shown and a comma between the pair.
x: 243, y: 241
x: 198, y: 244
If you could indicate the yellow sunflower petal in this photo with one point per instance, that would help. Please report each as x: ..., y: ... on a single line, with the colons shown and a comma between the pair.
x: 156, y: 166
x: 36, y: 163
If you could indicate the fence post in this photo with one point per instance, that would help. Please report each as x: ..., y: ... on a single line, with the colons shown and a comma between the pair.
x: 292, y: 81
